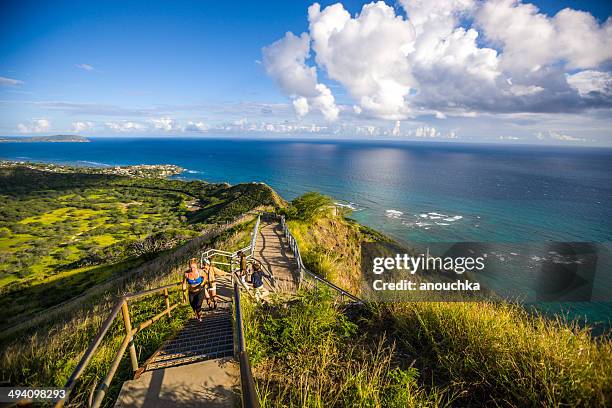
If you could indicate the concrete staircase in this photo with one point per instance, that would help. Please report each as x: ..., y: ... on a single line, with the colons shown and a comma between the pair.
x: 198, y: 341
x: 196, y: 368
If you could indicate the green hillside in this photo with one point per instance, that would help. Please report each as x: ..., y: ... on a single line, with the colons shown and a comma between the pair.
x: 64, y: 233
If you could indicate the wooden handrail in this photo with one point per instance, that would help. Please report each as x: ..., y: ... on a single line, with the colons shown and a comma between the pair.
x: 128, y: 341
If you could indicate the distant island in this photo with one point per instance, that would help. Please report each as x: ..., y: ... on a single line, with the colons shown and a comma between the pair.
x: 53, y: 139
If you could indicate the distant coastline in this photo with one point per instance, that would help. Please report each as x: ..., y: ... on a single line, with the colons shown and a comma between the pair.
x: 51, y: 139
x: 142, y: 170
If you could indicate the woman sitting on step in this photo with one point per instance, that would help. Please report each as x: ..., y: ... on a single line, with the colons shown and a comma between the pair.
x: 196, y: 280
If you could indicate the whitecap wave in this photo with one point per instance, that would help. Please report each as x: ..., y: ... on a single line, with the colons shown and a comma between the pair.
x: 394, y: 213
x: 349, y: 205
x: 454, y: 218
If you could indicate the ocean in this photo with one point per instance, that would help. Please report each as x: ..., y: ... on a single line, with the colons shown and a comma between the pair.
x: 413, y: 191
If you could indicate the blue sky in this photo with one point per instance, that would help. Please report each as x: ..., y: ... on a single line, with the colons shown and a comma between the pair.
x: 197, y: 68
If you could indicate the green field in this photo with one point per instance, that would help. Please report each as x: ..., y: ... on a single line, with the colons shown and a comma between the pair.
x: 64, y: 233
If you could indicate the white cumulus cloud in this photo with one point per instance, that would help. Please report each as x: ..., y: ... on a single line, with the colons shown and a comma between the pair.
x: 531, y: 40
x: 367, y: 54
x: 166, y: 124
x: 285, y: 61
x: 444, y: 57
x: 34, y: 126
x: 125, y: 127
x: 397, y: 129
x: 589, y: 82
x: 82, y: 126
x: 198, y: 126
x: 554, y: 135
x: 301, y: 106
x: 425, y: 132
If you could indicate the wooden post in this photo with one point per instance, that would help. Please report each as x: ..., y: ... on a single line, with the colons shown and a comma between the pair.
x: 167, y: 301
x: 128, y: 329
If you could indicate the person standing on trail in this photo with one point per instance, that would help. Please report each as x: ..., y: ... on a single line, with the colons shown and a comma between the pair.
x: 211, y: 275
x: 243, y: 267
x: 257, y: 280
x: 194, y: 279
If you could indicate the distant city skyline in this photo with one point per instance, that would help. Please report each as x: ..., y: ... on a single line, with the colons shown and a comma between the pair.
x: 499, y: 71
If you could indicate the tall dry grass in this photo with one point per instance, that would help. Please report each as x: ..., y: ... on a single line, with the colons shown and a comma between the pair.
x: 499, y: 354
x: 307, y: 353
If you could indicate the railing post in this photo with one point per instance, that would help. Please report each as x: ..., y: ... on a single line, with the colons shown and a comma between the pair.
x: 128, y: 329
x: 167, y: 298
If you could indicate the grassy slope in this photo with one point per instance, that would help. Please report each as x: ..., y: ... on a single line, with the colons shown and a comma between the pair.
x: 331, y: 247
x: 310, y: 354
x: 498, y: 354
x: 53, y: 223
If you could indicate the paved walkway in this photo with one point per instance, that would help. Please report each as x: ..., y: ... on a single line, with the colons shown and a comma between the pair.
x: 212, y: 383
x: 276, y: 256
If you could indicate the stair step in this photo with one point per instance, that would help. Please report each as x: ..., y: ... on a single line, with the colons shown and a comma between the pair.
x: 222, y: 348
x: 204, y: 332
x: 208, y: 339
x: 188, y: 360
x: 196, y: 345
x: 193, y: 351
x: 201, y: 336
x: 209, y: 326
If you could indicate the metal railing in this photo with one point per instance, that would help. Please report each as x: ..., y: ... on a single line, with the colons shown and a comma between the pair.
x: 304, y: 273
x: 232, y: 259
x: 247, y: 383
x: 249, y: 394
x: 249, y: 250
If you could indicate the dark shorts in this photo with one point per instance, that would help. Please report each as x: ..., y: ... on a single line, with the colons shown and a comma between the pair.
x: 196, y: 298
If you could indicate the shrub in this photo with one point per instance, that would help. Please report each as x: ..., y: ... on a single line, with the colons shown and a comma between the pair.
x: 308, y: 206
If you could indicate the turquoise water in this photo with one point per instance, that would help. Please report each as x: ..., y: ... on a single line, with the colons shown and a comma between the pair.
x: 415, y: 192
